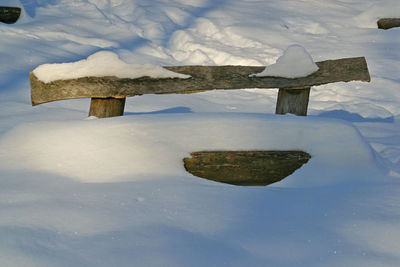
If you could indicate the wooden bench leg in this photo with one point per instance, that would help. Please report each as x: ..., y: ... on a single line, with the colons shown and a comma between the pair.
x: 107, y: 107
x: 294, y: 101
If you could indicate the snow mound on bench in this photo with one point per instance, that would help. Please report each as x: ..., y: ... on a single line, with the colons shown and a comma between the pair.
x: 152, y: 147
x: 295, y: 62
x: 103, y: 63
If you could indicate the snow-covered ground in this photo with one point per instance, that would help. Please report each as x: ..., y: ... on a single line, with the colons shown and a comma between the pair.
x: 76, y: 191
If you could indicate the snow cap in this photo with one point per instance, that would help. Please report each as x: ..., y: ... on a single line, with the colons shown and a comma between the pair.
x: 103, y: 63
x: 295, y: 62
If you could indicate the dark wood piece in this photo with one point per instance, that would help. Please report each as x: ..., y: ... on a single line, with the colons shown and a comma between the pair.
x: 245, y: 167
x: 9, y: 15
x: 388, y: 23
x: 107, y: 107
x: 294, y: 101
x: 203, y: 78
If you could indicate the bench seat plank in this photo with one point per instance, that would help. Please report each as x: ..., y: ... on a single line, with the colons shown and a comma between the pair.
x: 203, y: 78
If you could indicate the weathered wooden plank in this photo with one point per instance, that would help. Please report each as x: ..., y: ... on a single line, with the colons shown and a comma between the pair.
x: 388, y: 23
x: 107, y: 107
x: 245, y: 167
x: 294, y: 101
x: 203, y: 78
x: 9, y: 15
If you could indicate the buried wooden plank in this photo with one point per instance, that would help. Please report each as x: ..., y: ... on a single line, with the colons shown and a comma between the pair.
x: 203, y: 78
x: 9, y: 15
x: 245, y: 167
x: 388, y: 23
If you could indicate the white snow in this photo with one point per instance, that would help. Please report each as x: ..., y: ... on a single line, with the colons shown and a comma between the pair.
x: 11, y: 3
x: 103, y: 63
x: 295, y: 62
x: 385, y: 9
x: 78, y: 191
x: 152, y: 145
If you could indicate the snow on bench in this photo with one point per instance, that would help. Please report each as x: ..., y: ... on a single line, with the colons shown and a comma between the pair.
x: 100, y: 79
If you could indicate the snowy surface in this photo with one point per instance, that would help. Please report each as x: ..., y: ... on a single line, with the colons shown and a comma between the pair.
x: 295, y: 62
x: 113, y: 192
x: 103, y: 63
x: 376, y: 11
x: 153, y: 145
x: 12, y: 3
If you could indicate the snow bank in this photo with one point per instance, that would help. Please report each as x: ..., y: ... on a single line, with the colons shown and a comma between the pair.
x: 294, y: 63
x: 150, y: 146
x: 103, y: 63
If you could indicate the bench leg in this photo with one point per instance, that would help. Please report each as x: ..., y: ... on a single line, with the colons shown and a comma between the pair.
x: 294, y: 101
x: 107, y: 107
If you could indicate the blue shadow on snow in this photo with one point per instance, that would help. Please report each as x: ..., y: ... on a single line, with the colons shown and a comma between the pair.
x: 352, y: 117
x: 174, y: 110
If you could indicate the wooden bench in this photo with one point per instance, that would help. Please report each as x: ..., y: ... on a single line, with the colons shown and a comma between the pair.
x: 234, y: 167
x: 108, y: 93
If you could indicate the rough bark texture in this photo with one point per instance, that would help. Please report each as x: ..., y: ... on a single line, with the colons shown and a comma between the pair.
x: 388, y: 23
x: 107, y: 107
x: 245, y: 167
x: 293, y: 101
x: 9, y: 15
x: 203, y: 78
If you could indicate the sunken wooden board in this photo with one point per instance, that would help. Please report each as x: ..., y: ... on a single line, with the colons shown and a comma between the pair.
x: 388, y: 23
x: 248, y: 168
x: 9, y: 15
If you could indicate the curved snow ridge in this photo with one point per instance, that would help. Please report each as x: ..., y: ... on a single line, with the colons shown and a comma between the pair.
x: 60, y: 36
x: 103, y: 63
x: 209, y: 43
x: 57, y: 36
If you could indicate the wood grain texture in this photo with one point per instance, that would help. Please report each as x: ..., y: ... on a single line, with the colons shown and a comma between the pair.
x: 388, y: 23
x: 203, y: 78
x: 107, y: 107
x: 245, y: 167
x: 293, y: 101
x: 9, y: 15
